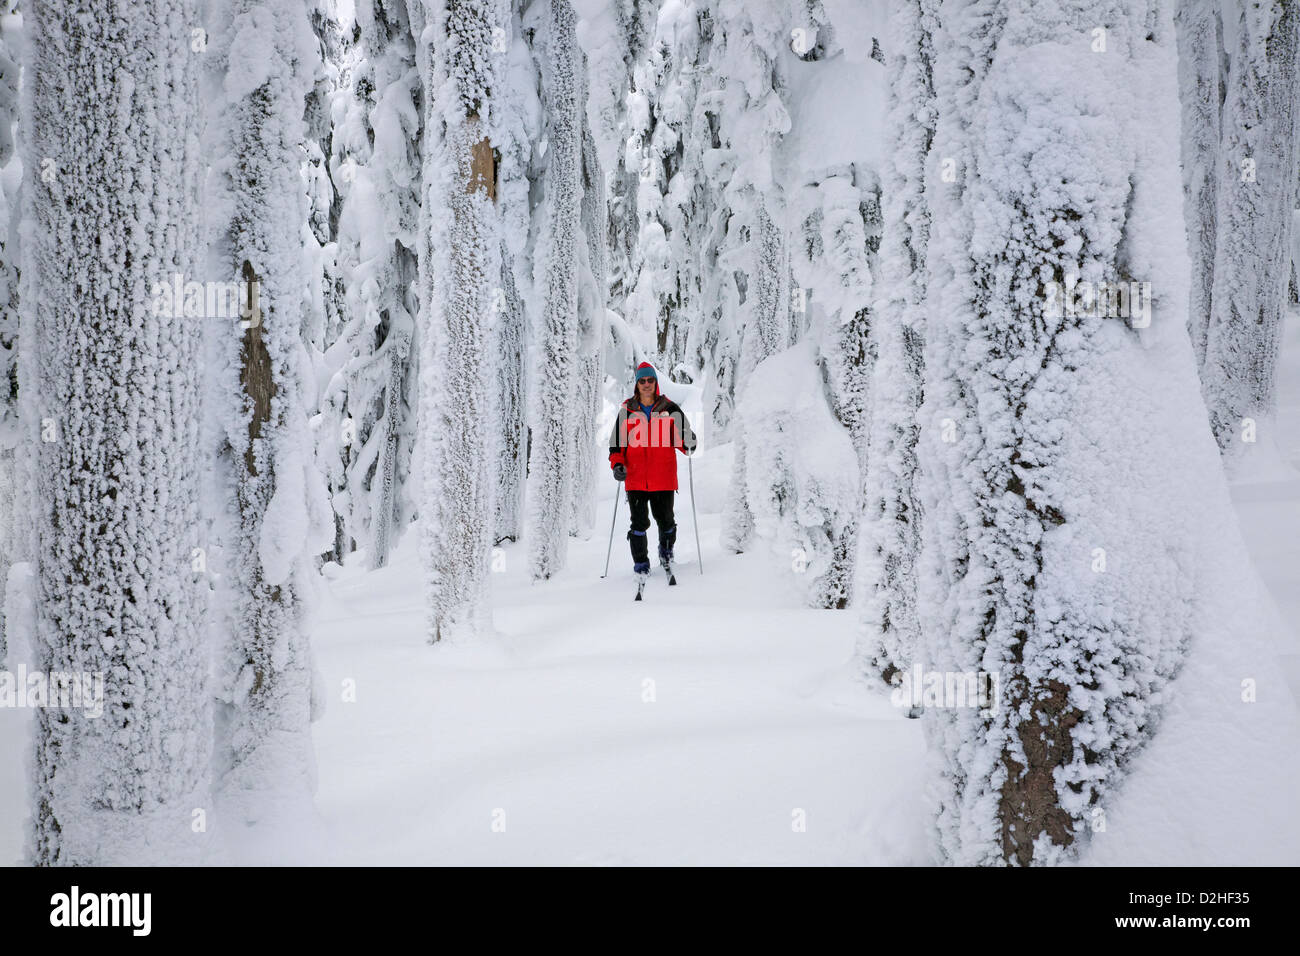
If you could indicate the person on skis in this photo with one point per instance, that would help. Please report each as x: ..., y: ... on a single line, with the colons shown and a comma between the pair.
x: 648, y: 433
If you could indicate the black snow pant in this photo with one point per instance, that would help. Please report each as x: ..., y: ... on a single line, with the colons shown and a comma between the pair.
x: 660, y: 503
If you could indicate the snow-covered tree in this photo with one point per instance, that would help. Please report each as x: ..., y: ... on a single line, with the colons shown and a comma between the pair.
x: 1254, y: 204
x: 10, y: 205
x: 834, y: 207
x: 460, y: 267
x: 796, y: 233
x: 618, y: 37
x: 517, y: 135
x: 590, y: 359
x: 111, y: 379
x: 1201, y: 55
x: 891, y: 519
x: 510, y: 412
x: 731, y: 238
x: 555, y: 420
x: 752, y: 120
x: 327, y: 306
x: 264, y: 60
x: 668, y: 137
x: 368, y: 407
x: 1058, y: 556
x: 803, y: 486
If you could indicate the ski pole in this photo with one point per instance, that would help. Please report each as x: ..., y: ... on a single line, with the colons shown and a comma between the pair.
x: 612, y: 522
x: 695, y: 523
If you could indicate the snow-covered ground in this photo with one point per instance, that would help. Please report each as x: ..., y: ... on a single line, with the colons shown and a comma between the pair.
x: 716, y: 722
x: 688, y: 728
x: 1267, y: 499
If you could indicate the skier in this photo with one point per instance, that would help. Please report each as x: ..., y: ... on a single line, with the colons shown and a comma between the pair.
x: 641, y: 453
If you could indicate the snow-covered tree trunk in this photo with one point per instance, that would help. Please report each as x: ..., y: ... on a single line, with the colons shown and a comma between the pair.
x: 384, y: 520
x: 590, y: 365
x: 517, y: 135
x: 1253, y: 221
x: 459, y: 269
x: 265, y: 60
x: 510, y: 414
x: 10, y: 206
x: 111, y: 184
x: 555, y: 418
x: 1200, y: 80
x: 891, y: 518
x: 1060, y: 566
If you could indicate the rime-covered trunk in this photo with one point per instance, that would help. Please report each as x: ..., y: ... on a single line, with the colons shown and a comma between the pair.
x: 510, y: 414
x: 1200, y: 81
x: 111, y: 192
x: 1253, y: 221
x: 384, y: 520
x: 281, y: 521
x: 556, y: 416
x: 891, y: 517
x: 591, y: 338
x: 516, y: 134
x: 460, y: 267
x: 1032, y: 477
x: 10, y: 206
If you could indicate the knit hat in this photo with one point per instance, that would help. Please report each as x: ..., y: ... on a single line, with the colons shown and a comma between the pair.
x: 645, y: 370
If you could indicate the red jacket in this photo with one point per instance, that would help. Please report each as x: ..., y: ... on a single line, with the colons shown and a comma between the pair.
x: 645, y: 446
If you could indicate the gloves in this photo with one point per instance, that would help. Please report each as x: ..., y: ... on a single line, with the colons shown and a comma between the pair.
x: 619, y: 472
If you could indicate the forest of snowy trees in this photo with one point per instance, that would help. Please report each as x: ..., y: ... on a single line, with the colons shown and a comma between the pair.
x: 977, y: 305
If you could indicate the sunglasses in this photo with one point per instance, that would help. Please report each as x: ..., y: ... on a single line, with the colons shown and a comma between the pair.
x: 645, y: 381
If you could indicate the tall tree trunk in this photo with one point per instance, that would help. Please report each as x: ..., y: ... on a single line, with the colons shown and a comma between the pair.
x: 511, y: 411
x: 1257, y: 169
x: 1200, y: 80
x: 112, y: 192
x: 386, y: 470
x: 891, y: 520
x: 591, y: 338
x: 459, y: 270
x: 281, y: 523
x: 10, y: 428
x: 1032, y: 477
x: 550, y: 502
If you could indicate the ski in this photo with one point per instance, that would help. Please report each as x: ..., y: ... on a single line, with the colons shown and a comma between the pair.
x: 668, y: 569
x: 640, y: 584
